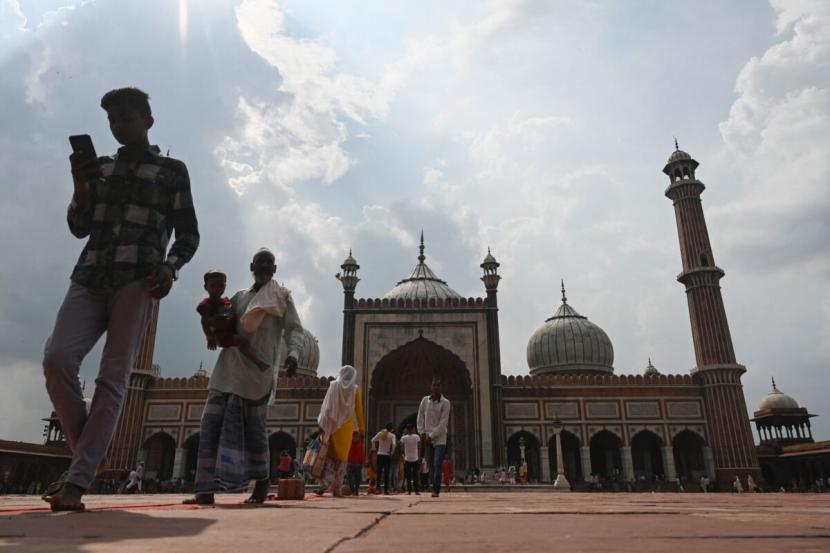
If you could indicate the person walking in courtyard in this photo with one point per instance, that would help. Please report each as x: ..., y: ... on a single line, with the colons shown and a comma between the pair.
x: 424, y: 471
x: 357, y: 456
x: 127, y: 205
x: 384, y: 444
x: 737, y: 486
x: 233, y: 443
x: 411, y: 445
x: 341, y: 415
x: 751, y: 486
x: 433, y: 424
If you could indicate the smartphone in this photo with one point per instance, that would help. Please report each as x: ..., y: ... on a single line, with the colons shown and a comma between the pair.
x: 83, y: 143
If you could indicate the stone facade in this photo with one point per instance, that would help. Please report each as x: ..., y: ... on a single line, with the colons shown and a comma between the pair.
x: 615, y: 428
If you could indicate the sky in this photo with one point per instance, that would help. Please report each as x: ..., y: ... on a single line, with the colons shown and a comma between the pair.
x: 538, y: 129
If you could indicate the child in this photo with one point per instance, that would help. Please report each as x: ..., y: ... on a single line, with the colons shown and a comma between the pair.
x: 424, y: 474
x: 219, y: 321
x: 372, y: 473
x: 411, y: 442
x: 356, y: 459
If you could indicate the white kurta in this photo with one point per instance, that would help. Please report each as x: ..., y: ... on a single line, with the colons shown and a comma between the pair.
x: 234, y: 373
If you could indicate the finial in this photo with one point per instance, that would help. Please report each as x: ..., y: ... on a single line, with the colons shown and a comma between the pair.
x: 564, y: 299
x: 676, y: 147
x: 350, y: 252
x: 773, y: 384
x: 649, y: 361
x: 488, y: 250
x: 422, y: 257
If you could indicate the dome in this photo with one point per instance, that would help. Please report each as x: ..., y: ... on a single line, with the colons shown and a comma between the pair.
x: 489, y: 260
x: 350, y: 261
x: 569, y: 343
x: 421, y: 284
x: 678, y: 155
x: 309, y: 358
x: 777, y: 399
x: 650, y: 370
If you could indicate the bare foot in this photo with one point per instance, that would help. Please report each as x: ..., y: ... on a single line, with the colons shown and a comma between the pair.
x: 68, y: 498
x: 260, y: 493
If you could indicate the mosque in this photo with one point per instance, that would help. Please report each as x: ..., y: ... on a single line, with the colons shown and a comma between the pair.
x: 635, y: 428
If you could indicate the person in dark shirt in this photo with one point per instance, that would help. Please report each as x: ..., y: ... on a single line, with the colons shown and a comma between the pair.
x: 219, y: 321
x: 127, y: 206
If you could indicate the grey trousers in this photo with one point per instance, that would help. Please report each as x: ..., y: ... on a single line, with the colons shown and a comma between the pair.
x: 84, y: 316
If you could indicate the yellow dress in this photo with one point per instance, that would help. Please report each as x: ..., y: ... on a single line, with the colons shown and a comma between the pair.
x: 340, y: 441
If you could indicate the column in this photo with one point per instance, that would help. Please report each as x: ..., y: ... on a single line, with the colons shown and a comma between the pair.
x: 668, y: 463
x: 709, y: 462
x: 178, y: 462
x: 561, y: 480
x: 627, y: 463
x: 585, y: 457
x: 545, y: 455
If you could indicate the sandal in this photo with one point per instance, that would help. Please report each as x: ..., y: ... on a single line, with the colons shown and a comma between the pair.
x: 55, y: 486
x: 200, y: 499
x: 55, y: 500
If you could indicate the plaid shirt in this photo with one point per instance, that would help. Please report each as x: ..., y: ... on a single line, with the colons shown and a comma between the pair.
x: 129, y: 216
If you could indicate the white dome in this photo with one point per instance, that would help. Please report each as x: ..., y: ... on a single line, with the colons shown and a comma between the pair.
x: 569, y: 343
x: 777, y: 399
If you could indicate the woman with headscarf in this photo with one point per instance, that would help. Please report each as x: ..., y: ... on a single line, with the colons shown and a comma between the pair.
x: 341, y: 415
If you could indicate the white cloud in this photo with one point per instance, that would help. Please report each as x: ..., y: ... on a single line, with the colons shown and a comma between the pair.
x: 24, y: 400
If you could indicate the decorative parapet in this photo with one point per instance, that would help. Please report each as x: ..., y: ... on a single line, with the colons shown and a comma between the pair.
x: 540, y: 381
x: 201, y: 382
x: 431, y: 303
x: 169, y: 383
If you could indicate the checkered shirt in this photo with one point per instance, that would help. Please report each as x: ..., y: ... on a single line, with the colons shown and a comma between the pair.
x: 129, y: 217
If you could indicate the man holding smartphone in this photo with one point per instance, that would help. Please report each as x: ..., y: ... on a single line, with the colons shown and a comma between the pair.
x: 127, y: 206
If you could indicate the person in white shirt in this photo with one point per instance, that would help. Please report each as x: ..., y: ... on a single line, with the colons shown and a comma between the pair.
x: 433, y: 421
x: 384, y: 444
x: 411, y: 442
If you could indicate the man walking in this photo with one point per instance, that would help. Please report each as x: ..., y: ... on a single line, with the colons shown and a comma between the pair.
x: 128, y: 205
x: 233, y: 444
x: 433, y: 421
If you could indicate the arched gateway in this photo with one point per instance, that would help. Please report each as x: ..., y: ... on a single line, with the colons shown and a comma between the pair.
x: 403, y: 376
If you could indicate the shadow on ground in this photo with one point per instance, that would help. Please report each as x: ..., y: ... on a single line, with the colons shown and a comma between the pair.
x: 41, y: 531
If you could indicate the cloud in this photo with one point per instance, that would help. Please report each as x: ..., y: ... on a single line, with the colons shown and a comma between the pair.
x: 24, y: 400
x: 301, y: 135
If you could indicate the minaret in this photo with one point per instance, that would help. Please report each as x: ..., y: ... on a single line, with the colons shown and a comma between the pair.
x: 730, y: 434
x: 349, y: 279
x: 491, y: 280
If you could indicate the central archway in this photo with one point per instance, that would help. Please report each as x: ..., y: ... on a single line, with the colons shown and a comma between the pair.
x: 532, y: 454
x: 606, y: 461
x: 161, y: 452
x: 570, y: 457
x: 403, y: 376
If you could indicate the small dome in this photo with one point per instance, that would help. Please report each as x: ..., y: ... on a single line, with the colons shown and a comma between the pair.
x: 309, y: 358
x: 350, y: 261
x: 650, y: 370
x: 777, y: 399
x: 678, y: 155
x: 422, y: 283
x: 489, y: 260
x: 569, y: 343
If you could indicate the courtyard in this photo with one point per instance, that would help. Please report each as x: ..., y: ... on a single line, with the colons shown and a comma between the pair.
x: 457, y: 521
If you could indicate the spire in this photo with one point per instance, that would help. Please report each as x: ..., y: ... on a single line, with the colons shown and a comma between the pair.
x: 422, y: 257
x: 676, y: 147
x: 564, y: 298
x: 773, y: 384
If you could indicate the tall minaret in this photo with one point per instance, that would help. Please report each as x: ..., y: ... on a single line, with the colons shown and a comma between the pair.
x: 491, y: 280
x: 730, y: 435
x: 349, y: 279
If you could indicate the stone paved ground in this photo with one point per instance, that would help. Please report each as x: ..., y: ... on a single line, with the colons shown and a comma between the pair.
x: 456, y: 522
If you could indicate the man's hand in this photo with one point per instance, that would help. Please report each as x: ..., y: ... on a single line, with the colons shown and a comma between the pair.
x: 160, y: 282
x: 84, y: 169
x: 290, y: 366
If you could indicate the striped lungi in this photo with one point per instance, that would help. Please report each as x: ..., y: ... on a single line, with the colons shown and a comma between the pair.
x: 233, y: 443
